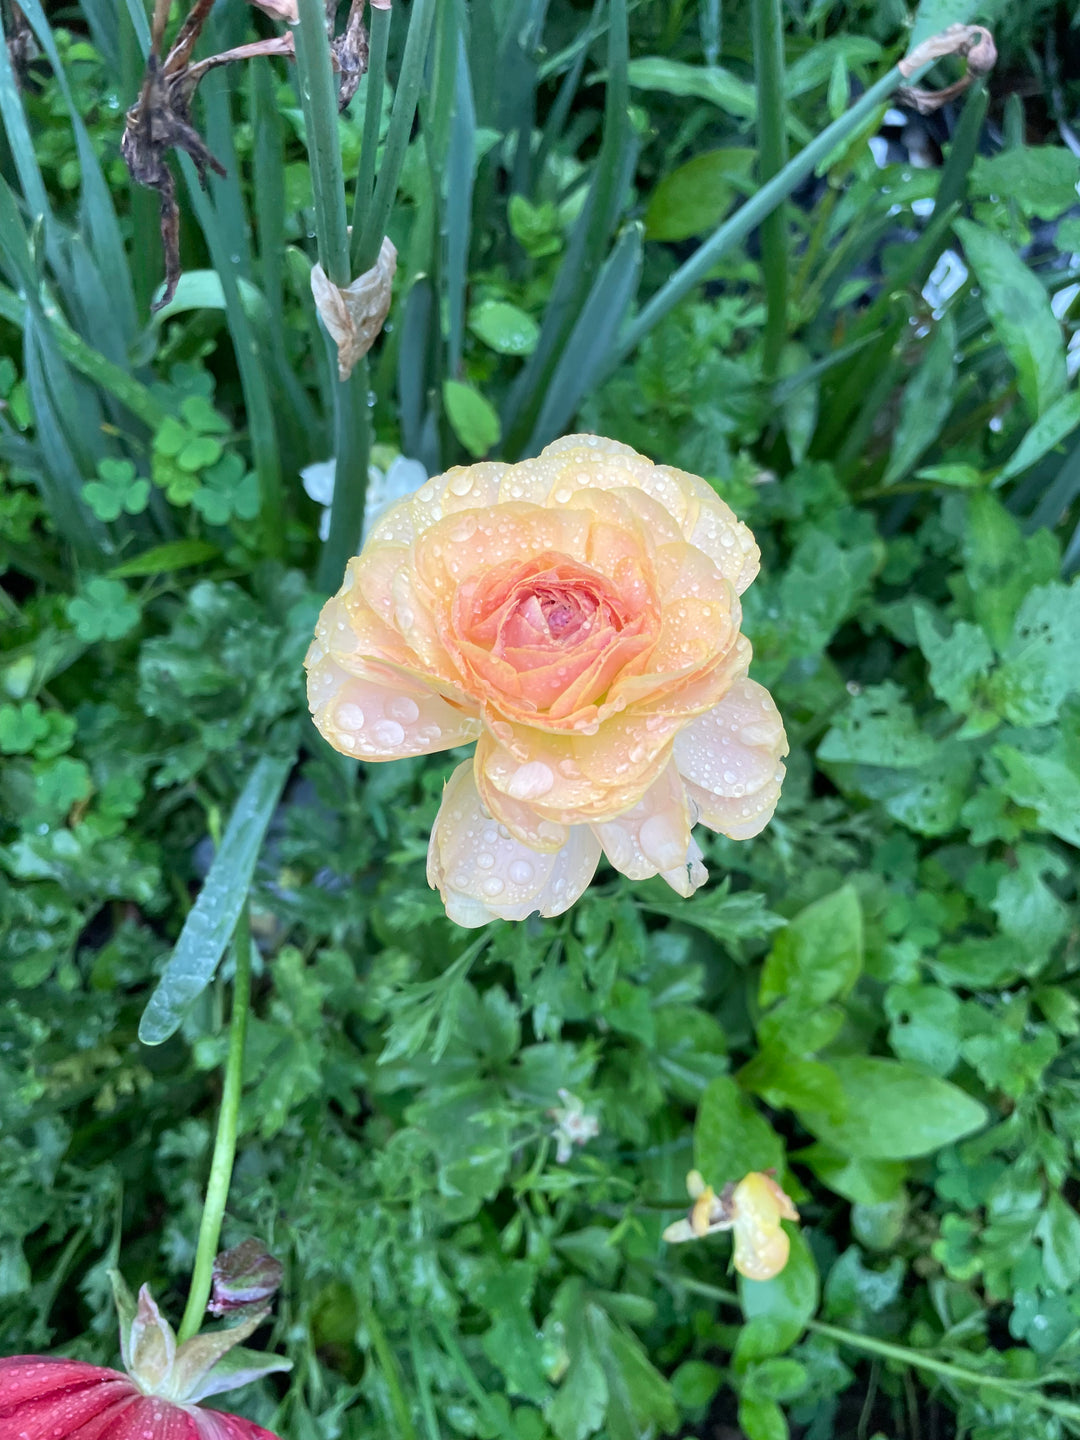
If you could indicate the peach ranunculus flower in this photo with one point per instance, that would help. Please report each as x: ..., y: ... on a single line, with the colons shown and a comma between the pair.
x: 578, y: 616
x: 753, y: 1209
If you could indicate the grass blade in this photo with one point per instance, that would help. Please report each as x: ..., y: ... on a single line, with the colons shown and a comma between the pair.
x: 212, y: 919
x: 591, y: 338
x: 768, y: 25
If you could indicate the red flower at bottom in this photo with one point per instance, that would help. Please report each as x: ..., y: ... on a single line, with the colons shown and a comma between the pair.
x: 43, y: 1399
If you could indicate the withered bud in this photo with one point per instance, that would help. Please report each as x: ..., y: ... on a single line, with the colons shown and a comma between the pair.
x: 244, y: 1276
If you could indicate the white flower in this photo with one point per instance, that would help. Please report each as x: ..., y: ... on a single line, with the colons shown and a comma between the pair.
x: 573, y: 1125
x: 401, y: 477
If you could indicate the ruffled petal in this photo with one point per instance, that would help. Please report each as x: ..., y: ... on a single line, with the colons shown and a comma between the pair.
x: 484, y: 873
x: 761, y: 1244
x: 380, y: 712
x: 654, y: 837
x: 730, y: 759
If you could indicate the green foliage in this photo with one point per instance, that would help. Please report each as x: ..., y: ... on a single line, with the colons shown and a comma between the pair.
x: 876, y: 998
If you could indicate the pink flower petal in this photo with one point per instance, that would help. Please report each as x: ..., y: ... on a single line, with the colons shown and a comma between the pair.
x: 730, y: 759
x: 484, y: 873
x: 654, y: 837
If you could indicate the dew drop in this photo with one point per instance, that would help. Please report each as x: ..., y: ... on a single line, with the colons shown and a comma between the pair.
x: 404, y: 709
x: 388, y: 733
x: 521, y: 872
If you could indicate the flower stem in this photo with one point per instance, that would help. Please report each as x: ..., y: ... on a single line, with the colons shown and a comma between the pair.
x: 379, y: 39
x: 902, y: 1354
x: 217, y: 1187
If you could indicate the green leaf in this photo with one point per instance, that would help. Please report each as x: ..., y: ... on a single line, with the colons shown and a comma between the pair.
x: 103, y: 611
x: 697, y: 195
x: 1002, y: 565
x: 762, y: 1419
x: 164, y: 559
x: 503, y: 327
x: 819, y: 956
x: 926, y: 402
x: 777, y: 1310
x: 878, y: 728
x: 958, y: 661
x: 933, y: 16
x: 640, y: 1401
x: 675, y: 77
x: 579, y: 1406
x: 730, y: 1137
x: 1039, y: 179
x: 863, y: 1182
x: 1048, y: 783
x: 472, y: 418
x: 894, y: 1112
x: 1019, y: 310
x: 1040, y: 666
x: 1059, y: 1232
x: 212, y: 919
x: 1054, y: 426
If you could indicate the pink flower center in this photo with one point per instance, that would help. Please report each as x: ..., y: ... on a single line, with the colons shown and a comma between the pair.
x: 549, y: 634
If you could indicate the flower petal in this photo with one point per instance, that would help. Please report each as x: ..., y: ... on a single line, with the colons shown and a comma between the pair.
x: 50, y: 1399
x: 761, y: 1244
x: 654, y: 837
x: 382, y: 713
x: 730, y: 759
x: 484, y: 873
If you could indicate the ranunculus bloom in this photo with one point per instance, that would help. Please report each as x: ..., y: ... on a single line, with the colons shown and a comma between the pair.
x: 52, y: 1399
x: 43, y: 1399
x: 578, y: 616
x: 752, y: 1209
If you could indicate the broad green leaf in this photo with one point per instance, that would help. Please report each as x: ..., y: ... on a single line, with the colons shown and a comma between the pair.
x: 1040, y: 179
x: 926, y: 403
x: 1054, y: 426
x: 777, y: 1310
x: 504, y: 327
x: 958, y: 661
x: 581, y: 1402
x: 697, y: 195
x: 730, y: 1137
x: 1059, y: 1232
x: 1019, y: 310
x: 212, y: 919
x: 894, y: 1112
x: 1040, y: 665
x: 864, y: 1182
x: 819, y: 955
x: 878, y: 728
x: 933, y: 16
x: 640, y: 1401
x: 471, y: 416
x: 674, y: 77
x: 762, y: 1419
x: 1002, y: 564
x: 1048, y: 783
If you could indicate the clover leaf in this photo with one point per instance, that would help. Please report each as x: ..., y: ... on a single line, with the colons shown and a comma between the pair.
x: 104, y: 611
x: 227, y: 491
x: 116, y: 491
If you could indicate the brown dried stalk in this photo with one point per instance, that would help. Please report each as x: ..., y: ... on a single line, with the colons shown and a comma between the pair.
x: 160, y: 120
x: 973, y: 43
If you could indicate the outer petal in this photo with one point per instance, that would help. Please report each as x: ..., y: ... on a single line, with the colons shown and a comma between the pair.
x: 216, y: 1425
x: 483, y: 873
x: 761, y: 1245
x: 42, y: 1399
x: 380, y: 712
x: 654, y: 837
x: 730, y: 759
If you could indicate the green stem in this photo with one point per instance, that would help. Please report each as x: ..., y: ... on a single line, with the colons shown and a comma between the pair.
x: 887, y: 1350
x: 772, y: 157
x: 365, y: 249
x: 319, y: 99
x: 378, y: 40
x: 352, y: 425
x: 747, y: 219
x: 217, y: 1187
